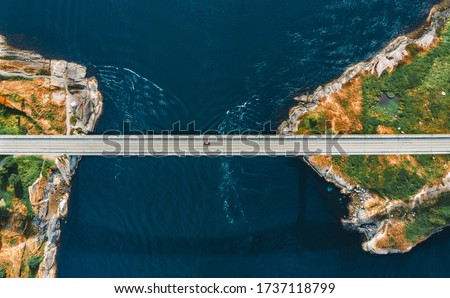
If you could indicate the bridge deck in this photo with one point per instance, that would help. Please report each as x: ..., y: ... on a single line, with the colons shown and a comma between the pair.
x: 231, y: 145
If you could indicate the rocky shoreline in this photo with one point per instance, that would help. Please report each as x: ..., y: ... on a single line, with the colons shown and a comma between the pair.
x: 80, y: 103
x: 86, y: 105
x: 359, y: 219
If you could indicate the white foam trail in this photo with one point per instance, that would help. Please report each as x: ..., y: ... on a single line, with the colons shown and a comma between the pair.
x: 134, y: 73
x: 138, y: 99
x: 143, y: 78
x: 228, y: 192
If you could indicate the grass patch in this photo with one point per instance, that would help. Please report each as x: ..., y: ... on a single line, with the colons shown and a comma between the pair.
x: 396, y: 181
x: 419, y: 85
x: 9, y: 57
x: 14, y: 78
x: 2, y: 273
x: 10, y: 123
x: 313, y: 123
x: 429, y: 219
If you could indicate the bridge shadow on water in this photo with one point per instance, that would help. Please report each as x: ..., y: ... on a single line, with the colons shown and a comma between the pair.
x: 305, y: 231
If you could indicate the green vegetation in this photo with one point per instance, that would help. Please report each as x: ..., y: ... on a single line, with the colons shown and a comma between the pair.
x: 14, y: 78
x: 421, y: 87
x: 397, y: 182
x: 73, y: 119
x: 44, y: 72
x: 429, y: 219
x: 8, y: 197
x: 16, y: 183
x: 17, y: 174
x: 10, y: 165
x: 16, y: 97
x: 33, y: 265
x: 30, y: 167
x: 50, y: 115
x: 22, y: 112
x: 13, y: 122
x: 391, y: 109
x: 48, y: 111
x: 11, y: 241
x: 2, y: 272
x: 313, y: 123
x: 8, y: 57
x: 4, y: 214
x: 414, y: 99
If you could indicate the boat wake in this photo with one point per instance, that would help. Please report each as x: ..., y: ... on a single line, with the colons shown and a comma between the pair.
x: 132, y: 97
x: 230, y: 195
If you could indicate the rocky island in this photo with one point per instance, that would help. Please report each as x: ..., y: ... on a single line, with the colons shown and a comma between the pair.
x: 396, y: 202
x: 38, y: 96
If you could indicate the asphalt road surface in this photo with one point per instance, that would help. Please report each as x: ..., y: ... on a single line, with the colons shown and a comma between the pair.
x: 218, y: 145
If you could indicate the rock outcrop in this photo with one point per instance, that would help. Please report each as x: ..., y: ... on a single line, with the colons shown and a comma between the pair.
x: 387, y: 59
x: 84, y: 107
x: 51, y: 97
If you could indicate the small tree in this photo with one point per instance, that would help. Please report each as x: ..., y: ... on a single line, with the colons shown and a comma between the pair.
x: 3, y: 178
x: 33, y: 264
x: 2, y: 272
x: 10, y: 165
x: 4, y: 214
x: 16, y: 183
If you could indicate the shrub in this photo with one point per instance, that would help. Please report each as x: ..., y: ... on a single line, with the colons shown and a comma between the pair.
x: 44, y: 72
x: 10, y: 165
x: 9, y: 57
x: 4, y: 214
x: 73, y: 119
x: 3, y: 178
x: 14, y: 78
x: 33, y: 264
x: 313, y: 123
x: 16, y: 183
x: 2, y: 272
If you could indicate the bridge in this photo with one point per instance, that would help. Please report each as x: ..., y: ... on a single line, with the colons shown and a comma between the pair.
x: 224, y: 145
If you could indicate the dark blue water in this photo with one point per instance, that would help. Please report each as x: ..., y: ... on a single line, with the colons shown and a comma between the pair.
x: 232, y: 64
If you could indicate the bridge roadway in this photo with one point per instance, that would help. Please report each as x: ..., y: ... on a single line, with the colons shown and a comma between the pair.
x: 224, y: 145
